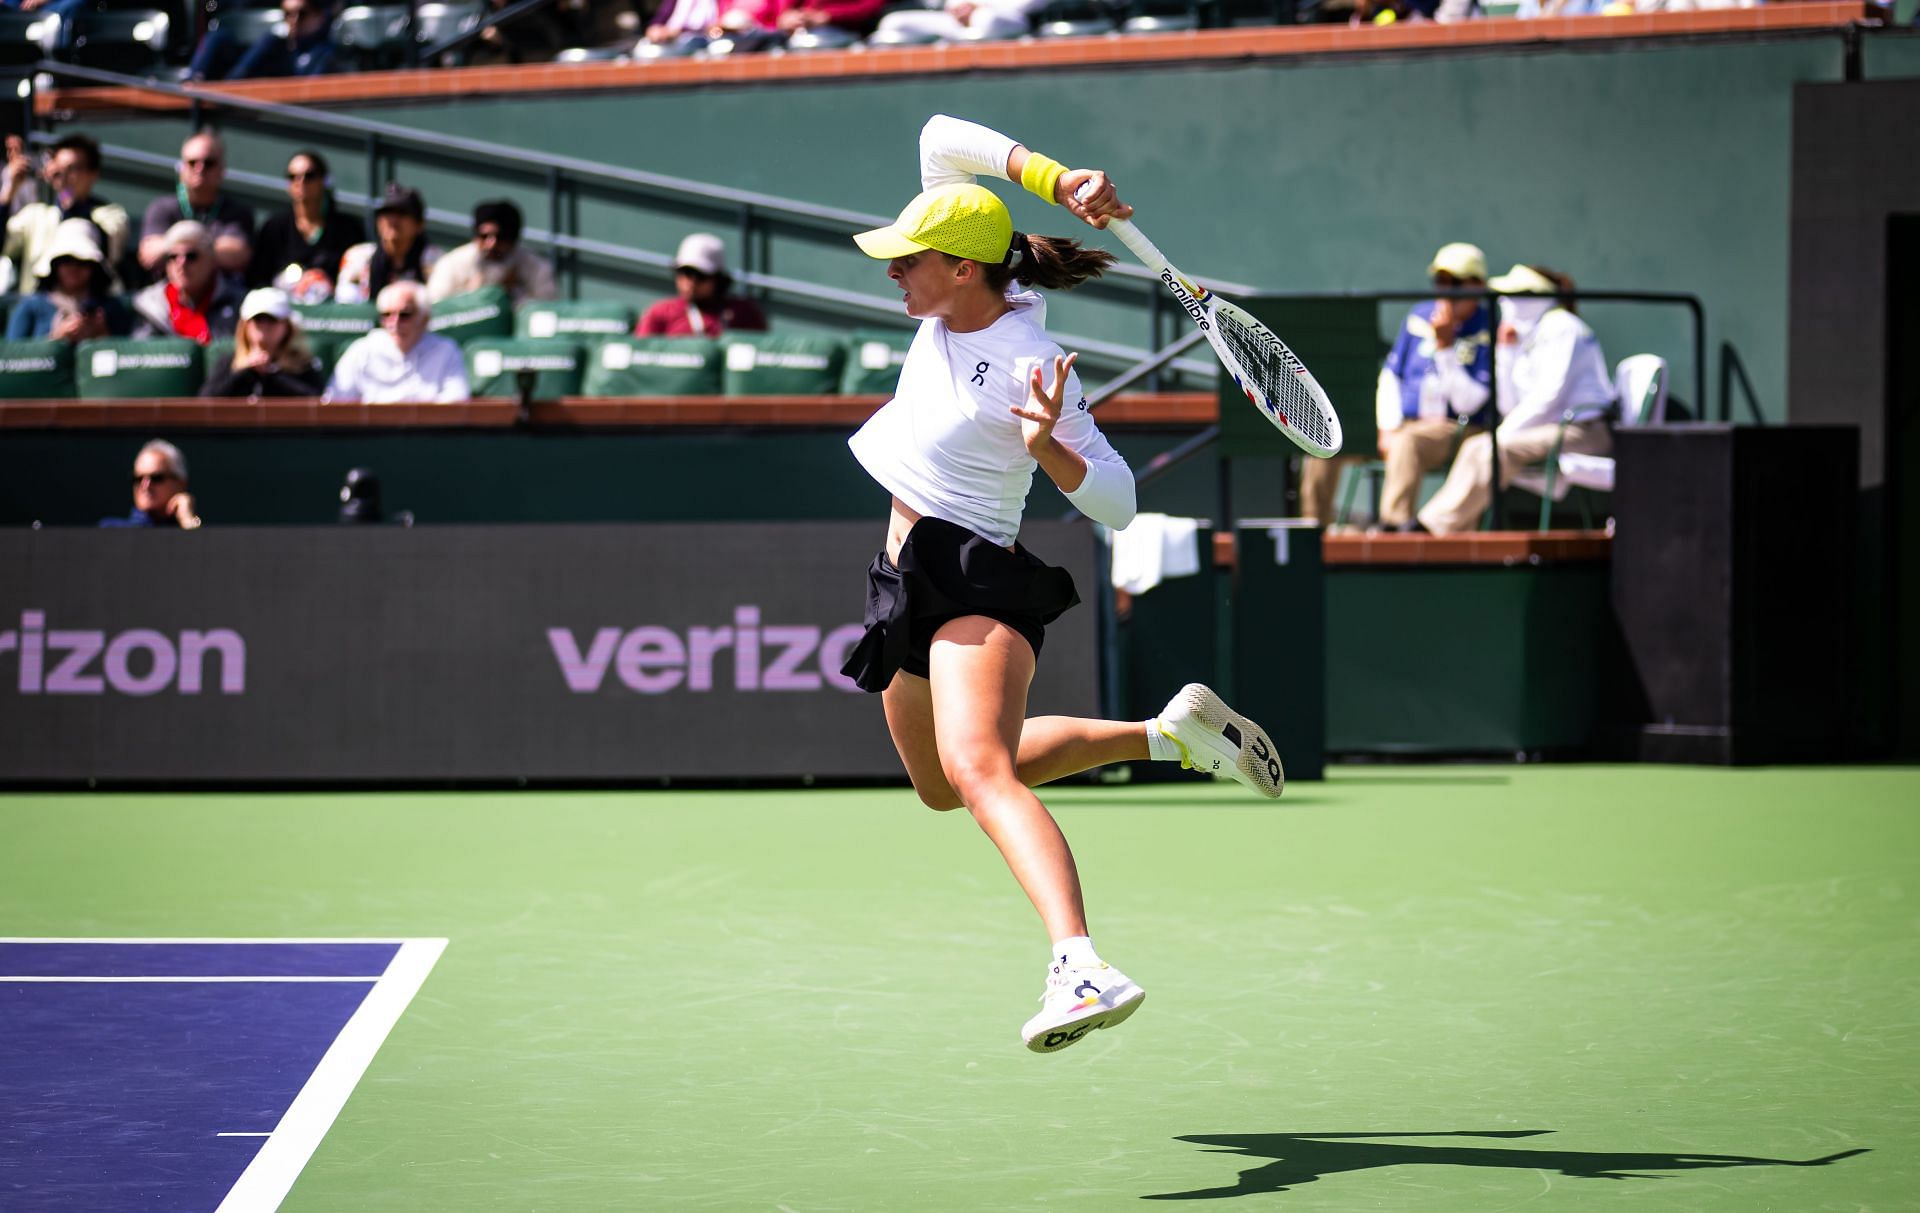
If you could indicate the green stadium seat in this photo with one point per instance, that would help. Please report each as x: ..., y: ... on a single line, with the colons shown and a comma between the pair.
x: 873, y: 361
x: 494, y: 365
x: 654, y: 366
x: 337, y: 320
x: 218, y: 356
x: 582, y: 320
x: 114, y: 368
x: 487, y: 312
x: 36, y: 370
x: 372, y: 36
x: 782, y: 364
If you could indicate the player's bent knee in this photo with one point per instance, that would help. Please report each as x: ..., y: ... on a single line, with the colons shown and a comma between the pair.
x: 940, y: 800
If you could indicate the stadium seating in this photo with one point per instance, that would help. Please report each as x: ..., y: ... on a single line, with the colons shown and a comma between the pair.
x: 873, y: 361
x: 35, y: 369
x: 348, y: 320
x: 26, y: 38
x: 372, y: 37
x: 487, y: 312
x: 579, y: 320
x: 494, y: 365
x: 1640, y: 383
x: 129, y: 40
x: 245, y: 25
x: 777, y: 364
x: 120, y: 368
x: 654, y: 366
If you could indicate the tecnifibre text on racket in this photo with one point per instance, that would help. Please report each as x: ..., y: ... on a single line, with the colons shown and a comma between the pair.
x: 1276, y: 381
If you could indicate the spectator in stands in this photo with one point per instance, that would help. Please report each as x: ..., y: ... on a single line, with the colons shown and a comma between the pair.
x: 494, y: 257
x: 856, y: 17
x: 684, y: 25
x: 401, y: 254
x: 306, y: 49
x: 18, y: 178
x: 160, y: 496
x: 702, y: 306
x: 401, y: 362
x: 984, y: 19
x: 71, y: 171
x: 75, y: 300
x: 270, y: 353
x: 534, y: 37
x: 1438, y: 374
x: 299, y: 249
x: 194, y: 300
x: 1549, y: 365
x: 199, y: 198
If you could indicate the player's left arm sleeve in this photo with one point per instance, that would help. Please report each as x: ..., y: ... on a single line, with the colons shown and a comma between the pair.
x: 954, y: 151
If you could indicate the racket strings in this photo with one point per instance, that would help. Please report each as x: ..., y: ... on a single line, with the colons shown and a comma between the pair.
x: 1271, y: 367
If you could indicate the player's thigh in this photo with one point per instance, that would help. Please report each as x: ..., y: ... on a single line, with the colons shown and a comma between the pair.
x: 980, y: 672
x: 909, y: 706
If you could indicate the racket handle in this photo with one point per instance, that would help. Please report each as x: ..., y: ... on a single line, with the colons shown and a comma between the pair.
x: 1131, y: 236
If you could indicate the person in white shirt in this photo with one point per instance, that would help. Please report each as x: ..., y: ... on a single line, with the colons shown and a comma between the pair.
x: 400, y: 362
x: 956, y: 608
x: 983, y: 20
x: 1548, y: 367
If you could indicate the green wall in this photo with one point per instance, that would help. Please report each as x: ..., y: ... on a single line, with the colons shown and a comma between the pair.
x: 1631, y: 167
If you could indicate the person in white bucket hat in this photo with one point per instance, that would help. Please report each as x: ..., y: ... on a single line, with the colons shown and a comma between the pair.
x: 74, y: 301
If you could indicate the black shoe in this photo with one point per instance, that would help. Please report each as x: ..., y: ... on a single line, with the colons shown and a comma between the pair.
x: 1412, y: 527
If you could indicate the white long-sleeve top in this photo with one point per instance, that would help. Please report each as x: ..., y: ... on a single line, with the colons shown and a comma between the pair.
x: 948, y: 444
x: 1555, y: 367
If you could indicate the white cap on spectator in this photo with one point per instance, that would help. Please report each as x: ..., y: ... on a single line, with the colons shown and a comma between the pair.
x: 1461, y: 260
x: 702, y: 251
x: 266, y: 301
x: 1524, y: 280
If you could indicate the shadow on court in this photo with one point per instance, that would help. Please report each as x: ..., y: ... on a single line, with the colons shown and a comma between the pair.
x: 1301, y: 1158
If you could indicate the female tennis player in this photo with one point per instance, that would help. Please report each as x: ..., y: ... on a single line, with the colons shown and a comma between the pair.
x: 956, y: 608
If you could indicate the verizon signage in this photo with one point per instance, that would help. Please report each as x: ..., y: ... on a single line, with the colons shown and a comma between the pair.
x: 618, y: 652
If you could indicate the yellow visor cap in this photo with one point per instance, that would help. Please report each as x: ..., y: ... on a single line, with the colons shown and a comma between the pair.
x: 964, y: 220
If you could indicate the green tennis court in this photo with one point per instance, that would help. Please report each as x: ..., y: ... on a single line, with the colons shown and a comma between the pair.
x: 1442, y: 988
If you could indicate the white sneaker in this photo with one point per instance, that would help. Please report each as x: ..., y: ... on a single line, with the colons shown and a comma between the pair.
x: 1078, y: 1000
x: 1214, y: 738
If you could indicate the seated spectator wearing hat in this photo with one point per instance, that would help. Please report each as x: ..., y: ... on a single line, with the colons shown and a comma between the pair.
x: 1550, y: 364
x: 199, y: 197
x: 299, y: 248
x: 401, y: 362
x: 306, y: 49
x: 194, y: 300
x: 75, y: 300
x: 494, y: 257
x: 854, y: 16
x: 160, y: 496
x: 702, y: 306
x: 71, y: 170
x: 401, y: 254
x: 270, y: 353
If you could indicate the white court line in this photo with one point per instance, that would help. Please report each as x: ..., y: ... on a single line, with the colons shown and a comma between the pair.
x: 243, y: 939
x: 243, y: 1135
x: 191, y: 980
x: 269, y: 1177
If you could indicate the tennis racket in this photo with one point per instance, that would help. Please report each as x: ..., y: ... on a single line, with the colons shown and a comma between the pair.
x: 1276, y: 381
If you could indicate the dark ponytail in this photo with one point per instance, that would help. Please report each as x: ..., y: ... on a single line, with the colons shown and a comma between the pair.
x: 1054, y: 263
x: 1563, y: 285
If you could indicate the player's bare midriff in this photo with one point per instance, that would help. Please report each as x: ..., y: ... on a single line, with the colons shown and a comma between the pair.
x: 898, y: 524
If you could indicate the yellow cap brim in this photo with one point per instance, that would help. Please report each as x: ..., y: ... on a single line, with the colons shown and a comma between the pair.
x: 886, y: 243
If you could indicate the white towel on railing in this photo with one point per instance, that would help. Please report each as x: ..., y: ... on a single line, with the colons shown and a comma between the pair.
x: 1153, y: 548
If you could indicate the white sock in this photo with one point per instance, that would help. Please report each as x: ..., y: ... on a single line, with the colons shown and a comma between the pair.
x: 1076, y: 950
x: 1160, y: 747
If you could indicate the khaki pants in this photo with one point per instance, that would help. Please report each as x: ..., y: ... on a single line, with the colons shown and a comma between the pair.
x: 1318, y: 479
x: 1463, y: 498
x: 1419, y: 446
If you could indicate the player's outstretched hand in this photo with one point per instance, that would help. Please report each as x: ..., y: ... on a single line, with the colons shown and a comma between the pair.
x: 1042, y: 410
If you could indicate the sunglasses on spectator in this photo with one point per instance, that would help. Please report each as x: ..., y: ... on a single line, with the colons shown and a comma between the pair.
x: 405, y: 313
x: 140, y: 478
x: 189, y: 255
x: 292, y: 175
x: 1448, y: 281
x: 208, y: 162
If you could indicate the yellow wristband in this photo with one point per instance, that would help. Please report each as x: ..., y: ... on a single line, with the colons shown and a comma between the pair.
x: 1040, y: 175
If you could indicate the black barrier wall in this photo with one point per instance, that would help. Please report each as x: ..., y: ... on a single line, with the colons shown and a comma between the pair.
x: 611, y: 653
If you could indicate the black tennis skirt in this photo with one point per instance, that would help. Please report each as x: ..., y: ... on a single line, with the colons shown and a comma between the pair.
x: 947, y: 572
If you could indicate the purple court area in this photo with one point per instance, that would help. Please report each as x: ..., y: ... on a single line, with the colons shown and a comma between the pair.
x: 117, y: 1092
